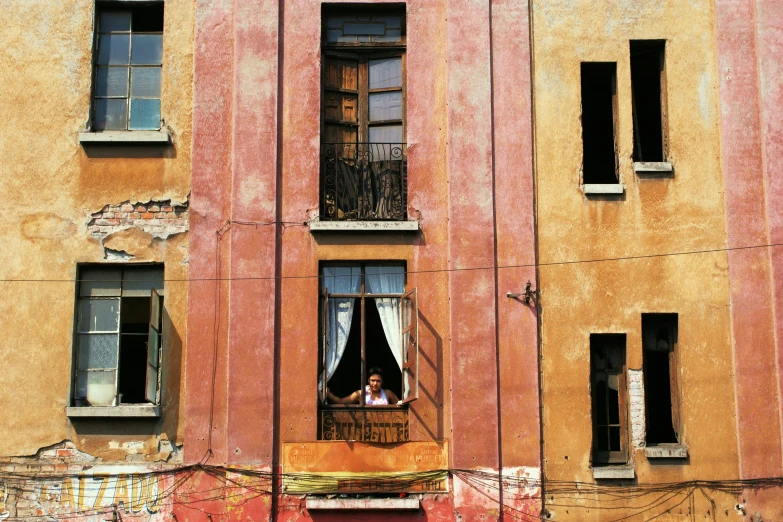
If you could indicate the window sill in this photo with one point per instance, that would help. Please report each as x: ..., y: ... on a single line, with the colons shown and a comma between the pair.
x: 363, y: 226
x: 126, y: 137
x: 130, y: 412
x: 408, y: 503
x: 608, y: 188
x: 650, y: 167
x: 613, y: 472
x: 672, y: 451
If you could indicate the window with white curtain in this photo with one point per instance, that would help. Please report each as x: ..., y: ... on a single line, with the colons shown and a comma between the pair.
x: 368, y: 319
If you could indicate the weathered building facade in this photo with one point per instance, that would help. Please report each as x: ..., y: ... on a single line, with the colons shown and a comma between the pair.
x: 551, y: 223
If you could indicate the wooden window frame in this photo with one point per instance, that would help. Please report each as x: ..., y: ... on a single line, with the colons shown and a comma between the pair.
x: 410, y: 334
x: 604, y: 458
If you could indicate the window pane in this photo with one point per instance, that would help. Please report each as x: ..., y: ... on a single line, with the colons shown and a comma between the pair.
x: 336, y: 22
x: 599, y: 392
x: 101, y: 388
x: 99, y: 315
x: 100, y: 282
x: 392, y: 35
x: 613, y: 401
x: 97, y: 351
x: 386, y: 106
x: 147, y: 49
x: 386, y: 134
x: 145, y: 82
x: 354, y: 28
x: 384, y: 279
x: 392, y: 22
x: 342, y: 279
x: 139, y: 283
x: 614, y: 438
x: 601, y: 443
x: 114, y: 21
x: 144, y: 114
x: 111, y: 81
x: 110, y: 114
x: 154, y: 347
x: 386, y: 72
x: 152, y: 383
x: 333, y: 35
x: 113, y: 49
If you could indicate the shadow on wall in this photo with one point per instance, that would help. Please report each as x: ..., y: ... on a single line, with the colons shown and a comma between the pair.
x: 430, y: 371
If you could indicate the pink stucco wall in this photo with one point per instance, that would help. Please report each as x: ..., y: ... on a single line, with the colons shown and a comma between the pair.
x: 251, y: 372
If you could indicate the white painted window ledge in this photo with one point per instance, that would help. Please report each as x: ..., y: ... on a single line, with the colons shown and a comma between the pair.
x: 603, y: 188
x: 613, y: 472
x: 652, y: 167
x: 363, y: 226
x: 135, y: 411
x: 128, y: 137
x: 407, y: 503
x: 670, y: 451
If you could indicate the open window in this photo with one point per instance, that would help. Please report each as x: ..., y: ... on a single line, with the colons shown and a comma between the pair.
x: 609, y: 397
x: 648, y: 88
x: 600, y: 164
x: 368, y: 320
x: 118, y: 336
x: 363, y: 157
x: 661, y: 386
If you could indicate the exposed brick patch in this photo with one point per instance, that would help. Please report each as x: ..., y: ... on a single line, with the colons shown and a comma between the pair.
x: 159, y: 218
x: 636, y: 393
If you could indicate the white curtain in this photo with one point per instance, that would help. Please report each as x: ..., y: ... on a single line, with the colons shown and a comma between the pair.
x: 388, y: 280
x: 339, y: 313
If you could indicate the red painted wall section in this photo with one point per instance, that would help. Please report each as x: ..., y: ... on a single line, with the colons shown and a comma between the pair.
x: 747, y: 39
x: 518, y: 330
x: 212, y: 114
x: 254, y: 186
x: 471, y: 242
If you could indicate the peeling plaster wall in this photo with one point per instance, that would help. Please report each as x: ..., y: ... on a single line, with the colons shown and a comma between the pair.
x: 653, y: 216
x: 56, y: 184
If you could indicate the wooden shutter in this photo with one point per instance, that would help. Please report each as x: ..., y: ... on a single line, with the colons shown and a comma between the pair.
x: 341, y: 99
x: 153, y: 350
x: 324, y: 337
x: 409, y: 325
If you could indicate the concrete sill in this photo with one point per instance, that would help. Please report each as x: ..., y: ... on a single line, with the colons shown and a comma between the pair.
x: 407, y: 503
x: 652, y: 167
x: 126, y: 137
x: 129, y: 412
x: 363, y: 226
x: 613, y: 473
x: 673, y: 451
x: 609, y: 188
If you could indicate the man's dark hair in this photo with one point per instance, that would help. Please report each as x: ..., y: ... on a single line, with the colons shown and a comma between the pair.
x: 374, y: 371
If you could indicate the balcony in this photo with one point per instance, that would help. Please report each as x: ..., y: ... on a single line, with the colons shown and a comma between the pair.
x: 372, y: 424
x: 364, y: 182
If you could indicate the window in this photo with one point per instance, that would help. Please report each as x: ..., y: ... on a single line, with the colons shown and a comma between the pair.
x: 363, y: 115
x: 368, y: 320
x: 607, y: 387
x: 599, y: 122
x: 648, y: 87
x: 659, y: 341
x: 128, y: 64
x: 118, y: 334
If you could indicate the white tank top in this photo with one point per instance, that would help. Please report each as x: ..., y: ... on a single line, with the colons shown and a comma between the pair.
x: 368, y: 396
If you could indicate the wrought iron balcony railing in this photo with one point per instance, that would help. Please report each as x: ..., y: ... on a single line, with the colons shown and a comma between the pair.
x: 364, y: 181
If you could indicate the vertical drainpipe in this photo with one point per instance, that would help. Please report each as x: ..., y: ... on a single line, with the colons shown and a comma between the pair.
x: 495, y: 263
x: 537, y: 301
x: 276, y: 487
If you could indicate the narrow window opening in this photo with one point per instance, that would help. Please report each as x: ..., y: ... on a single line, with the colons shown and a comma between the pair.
x: 607, y: 379
x: 599, y: 161
x: 647, y: 87
x: 133, y: 349
x: 659, y: 339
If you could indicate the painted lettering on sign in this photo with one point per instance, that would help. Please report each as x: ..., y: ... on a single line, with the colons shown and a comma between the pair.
x: 131, y: 493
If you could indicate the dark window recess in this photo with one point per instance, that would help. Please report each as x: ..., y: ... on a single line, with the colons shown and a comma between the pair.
x: 659, y: 341
x: 599, y: 114
x: 648, y: 90
x: 607, y: 380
